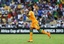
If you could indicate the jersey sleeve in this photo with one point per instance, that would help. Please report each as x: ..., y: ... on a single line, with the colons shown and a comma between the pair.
x: 31, y: 13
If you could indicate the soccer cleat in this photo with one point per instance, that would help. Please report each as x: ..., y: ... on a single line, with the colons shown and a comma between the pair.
x: 49, y: 35
x: 30, y: 40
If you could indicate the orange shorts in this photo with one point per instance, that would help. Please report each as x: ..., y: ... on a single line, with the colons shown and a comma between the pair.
x: 35, y: 25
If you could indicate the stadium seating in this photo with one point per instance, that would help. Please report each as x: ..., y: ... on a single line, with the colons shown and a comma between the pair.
x: 47, y: 12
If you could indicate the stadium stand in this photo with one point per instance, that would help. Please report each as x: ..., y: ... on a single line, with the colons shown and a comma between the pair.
x: 50, y: 13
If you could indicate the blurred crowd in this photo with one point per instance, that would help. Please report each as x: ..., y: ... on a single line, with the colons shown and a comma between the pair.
x: 49, y: 13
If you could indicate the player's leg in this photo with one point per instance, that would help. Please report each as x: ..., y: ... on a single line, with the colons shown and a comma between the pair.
x: 42, y: 31
x: 31, y: 34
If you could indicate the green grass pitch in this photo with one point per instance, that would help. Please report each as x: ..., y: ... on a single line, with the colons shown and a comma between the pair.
x: 37, y: 39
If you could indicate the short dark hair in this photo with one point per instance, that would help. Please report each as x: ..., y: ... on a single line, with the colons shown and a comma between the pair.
x: 31, y: 6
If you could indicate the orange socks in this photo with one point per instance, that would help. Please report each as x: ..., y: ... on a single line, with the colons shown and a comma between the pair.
x: 31, y: 34
x: 44, y: 32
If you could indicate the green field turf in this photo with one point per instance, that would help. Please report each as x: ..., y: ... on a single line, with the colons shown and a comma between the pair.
x: 38, y: 39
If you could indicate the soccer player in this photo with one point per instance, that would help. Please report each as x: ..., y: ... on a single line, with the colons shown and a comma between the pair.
x: 34, y: 24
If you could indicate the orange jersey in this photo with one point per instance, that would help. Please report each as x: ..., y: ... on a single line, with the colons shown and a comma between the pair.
x: 32, y: 16
x: 34, y: 23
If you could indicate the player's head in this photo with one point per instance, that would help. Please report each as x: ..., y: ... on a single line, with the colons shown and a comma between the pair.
x: 30, y: 8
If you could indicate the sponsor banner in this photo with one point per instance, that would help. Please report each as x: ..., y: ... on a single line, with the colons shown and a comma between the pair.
x: 59, y: 30
x: 27, y: 31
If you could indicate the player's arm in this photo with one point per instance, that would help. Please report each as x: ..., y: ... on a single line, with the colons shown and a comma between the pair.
x: 28, y: 14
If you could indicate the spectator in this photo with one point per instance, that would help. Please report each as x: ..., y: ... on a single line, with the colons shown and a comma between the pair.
x: 40, y: 13
x: 21, y: 23
x: 45, y: 10
x: 59, y: 13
